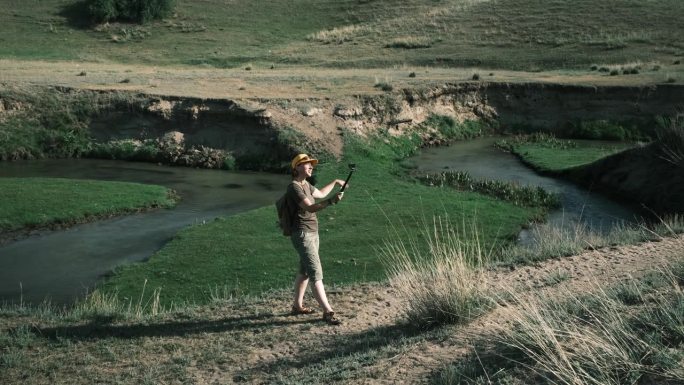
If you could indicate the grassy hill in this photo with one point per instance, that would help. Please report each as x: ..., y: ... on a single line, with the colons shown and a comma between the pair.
x: 514, y: 34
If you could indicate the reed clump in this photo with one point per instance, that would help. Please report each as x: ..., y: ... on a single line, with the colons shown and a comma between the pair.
x: 519, y: 195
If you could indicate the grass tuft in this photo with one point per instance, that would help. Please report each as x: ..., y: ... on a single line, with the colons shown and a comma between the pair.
x: 443, y: 284
x: 671, y: 140
x: 409, y: 43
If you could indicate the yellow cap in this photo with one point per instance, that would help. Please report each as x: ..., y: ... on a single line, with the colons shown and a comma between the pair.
x: 303, y: 158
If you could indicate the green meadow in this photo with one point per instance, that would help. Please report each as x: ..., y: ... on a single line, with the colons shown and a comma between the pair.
x: 39, y: 202
x: 554, y: 155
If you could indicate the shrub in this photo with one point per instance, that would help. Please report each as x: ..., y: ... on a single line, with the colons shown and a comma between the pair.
x: 384, y: 86
x: 412, y: 75
x: 229, y: 162
x: 614, y: 73
x: 476, y: 76
x: 103, y: 10
x: 594, y: 67
x: 140, y: 11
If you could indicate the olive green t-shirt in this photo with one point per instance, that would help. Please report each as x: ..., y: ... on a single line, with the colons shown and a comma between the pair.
x: 304, y: 220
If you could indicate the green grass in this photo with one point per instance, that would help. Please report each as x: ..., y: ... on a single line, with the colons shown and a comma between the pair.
x: 247, y: 254
x: 549, y: 159
x: 517, y: 34
x: 453, y: 263
x: 548, y: 154
x: 35, y: 202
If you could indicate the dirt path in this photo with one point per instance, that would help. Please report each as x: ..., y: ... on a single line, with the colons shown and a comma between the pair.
x: 290, y: 346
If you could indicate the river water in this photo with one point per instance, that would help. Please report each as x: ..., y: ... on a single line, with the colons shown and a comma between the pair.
x: 63, y: 265
x: 482, y: 160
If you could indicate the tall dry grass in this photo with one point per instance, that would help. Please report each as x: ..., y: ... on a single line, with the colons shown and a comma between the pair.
x: 438, y: 274
x: 597, y: 339
x: 552, y: 241
x: 671, y: 140
x: 99, y: 304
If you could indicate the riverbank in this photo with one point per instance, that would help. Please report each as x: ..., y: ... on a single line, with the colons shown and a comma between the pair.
x: 645, y: 174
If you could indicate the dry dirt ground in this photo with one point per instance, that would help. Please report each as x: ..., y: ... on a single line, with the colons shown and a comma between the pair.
x: 276, y: 83
x: 257, y: 341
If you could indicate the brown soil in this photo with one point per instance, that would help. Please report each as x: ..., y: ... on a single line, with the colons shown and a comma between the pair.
x: 294, y: 83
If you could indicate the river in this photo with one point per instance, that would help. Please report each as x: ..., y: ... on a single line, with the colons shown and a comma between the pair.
x: 63, y: 265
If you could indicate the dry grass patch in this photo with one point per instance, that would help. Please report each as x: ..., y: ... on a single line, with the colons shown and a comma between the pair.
x: 339, y: 34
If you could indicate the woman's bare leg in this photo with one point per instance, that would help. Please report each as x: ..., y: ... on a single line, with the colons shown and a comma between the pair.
x: 319, y: 294
x: 299, y: 289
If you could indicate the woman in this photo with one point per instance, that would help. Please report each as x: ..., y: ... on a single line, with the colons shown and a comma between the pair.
x: 301, y: 194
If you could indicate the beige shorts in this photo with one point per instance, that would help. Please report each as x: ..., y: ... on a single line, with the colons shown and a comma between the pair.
x: 306, y: 244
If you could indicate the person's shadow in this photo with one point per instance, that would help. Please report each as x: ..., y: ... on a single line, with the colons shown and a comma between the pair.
x: 101, y: 327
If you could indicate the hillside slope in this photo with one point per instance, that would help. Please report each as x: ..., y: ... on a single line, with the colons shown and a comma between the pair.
x: 513, y: 34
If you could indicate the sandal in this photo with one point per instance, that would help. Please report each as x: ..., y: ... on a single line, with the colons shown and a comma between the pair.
x: 301, y: 310
x: 329, y: 318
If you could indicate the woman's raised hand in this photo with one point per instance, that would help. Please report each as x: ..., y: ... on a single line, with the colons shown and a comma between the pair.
x: 338, y: 197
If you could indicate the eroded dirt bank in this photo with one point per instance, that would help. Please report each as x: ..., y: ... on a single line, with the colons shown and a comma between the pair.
x: 274, y: 128
x: 262, y: 133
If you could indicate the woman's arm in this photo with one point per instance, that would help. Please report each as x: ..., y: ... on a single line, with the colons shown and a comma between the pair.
x: 312, y: 207
x: 323, y: 192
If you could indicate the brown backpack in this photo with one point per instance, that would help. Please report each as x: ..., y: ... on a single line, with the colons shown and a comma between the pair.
x: 286, y: 214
